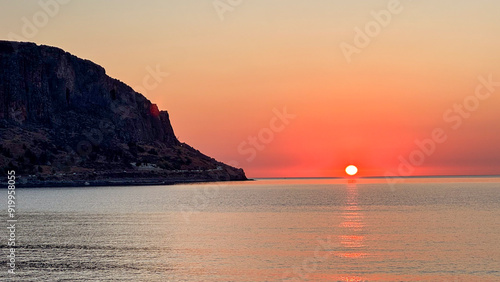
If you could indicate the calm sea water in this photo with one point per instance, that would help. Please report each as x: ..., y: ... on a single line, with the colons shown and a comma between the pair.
x: 428, y: 229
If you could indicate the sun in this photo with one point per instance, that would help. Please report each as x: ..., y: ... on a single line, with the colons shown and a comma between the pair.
x: 351, y: 170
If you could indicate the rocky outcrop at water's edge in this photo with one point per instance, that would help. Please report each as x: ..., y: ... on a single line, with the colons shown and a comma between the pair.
x: 64, y: 122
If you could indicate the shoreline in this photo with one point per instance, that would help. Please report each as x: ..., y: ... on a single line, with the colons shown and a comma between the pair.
x: 120, y: 178
x: 114, y: 183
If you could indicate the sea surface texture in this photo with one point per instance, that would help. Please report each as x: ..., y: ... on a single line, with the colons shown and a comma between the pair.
x: 422, y: 229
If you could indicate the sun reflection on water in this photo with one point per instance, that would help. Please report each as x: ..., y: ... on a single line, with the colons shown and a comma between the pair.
x: 352, y: 238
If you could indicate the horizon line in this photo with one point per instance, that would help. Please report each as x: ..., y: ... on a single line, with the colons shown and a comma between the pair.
x: 377, y: 177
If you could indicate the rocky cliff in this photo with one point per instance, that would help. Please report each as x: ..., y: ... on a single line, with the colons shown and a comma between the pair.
x: 62, y: 119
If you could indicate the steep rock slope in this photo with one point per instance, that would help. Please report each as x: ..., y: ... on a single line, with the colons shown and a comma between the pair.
x: 62, y: 119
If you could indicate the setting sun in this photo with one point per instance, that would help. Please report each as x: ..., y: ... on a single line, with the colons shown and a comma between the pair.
x: 351, y: 170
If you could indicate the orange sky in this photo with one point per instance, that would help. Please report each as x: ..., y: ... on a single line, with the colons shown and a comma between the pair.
x: 229, y: 73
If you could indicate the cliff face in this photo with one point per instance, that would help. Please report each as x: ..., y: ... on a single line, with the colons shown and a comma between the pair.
x: 62, y: 113
x: 44, y: 84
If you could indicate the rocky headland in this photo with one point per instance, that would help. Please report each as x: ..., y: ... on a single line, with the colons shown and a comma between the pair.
x: 64, y: 122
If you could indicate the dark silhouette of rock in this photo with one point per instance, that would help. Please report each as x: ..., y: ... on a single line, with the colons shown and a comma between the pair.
x: 62, y: 119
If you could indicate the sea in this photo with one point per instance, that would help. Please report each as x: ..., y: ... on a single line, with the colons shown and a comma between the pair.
x: 365, y: 229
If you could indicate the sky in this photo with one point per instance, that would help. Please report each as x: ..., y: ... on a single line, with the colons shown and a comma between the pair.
x: 299, y: 88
